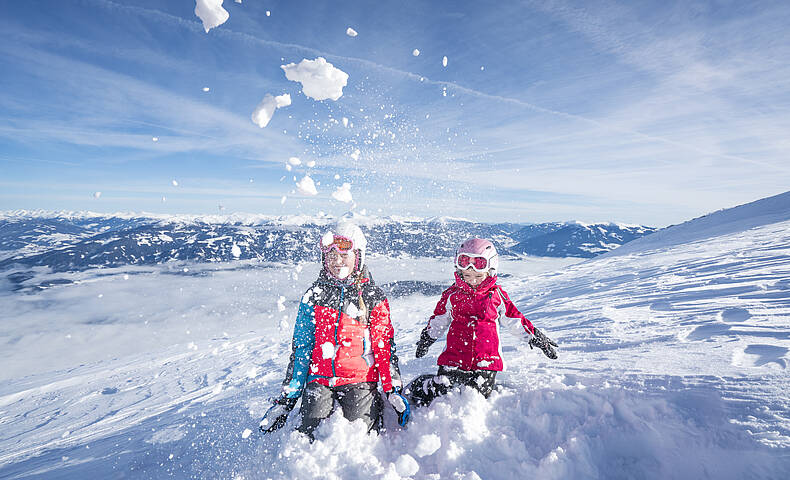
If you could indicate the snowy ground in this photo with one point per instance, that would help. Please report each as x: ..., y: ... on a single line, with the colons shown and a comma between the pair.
x: 673, y: 364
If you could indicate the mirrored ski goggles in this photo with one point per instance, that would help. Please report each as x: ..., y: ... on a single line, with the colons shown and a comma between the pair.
x: 338, y: 242
x: 464, y: 261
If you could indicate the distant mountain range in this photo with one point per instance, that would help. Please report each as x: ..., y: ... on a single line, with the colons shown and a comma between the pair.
x: 74, y: 242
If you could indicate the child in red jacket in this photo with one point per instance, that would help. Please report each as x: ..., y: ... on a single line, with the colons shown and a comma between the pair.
x: 472, y: 312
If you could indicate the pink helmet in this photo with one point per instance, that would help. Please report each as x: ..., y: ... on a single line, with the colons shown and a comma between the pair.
x: 478, y: 253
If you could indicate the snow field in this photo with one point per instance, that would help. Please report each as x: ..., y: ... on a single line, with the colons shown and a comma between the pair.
x: 672, y: 364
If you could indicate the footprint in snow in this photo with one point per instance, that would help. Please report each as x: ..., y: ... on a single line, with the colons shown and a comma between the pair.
x: 734, y: 314
x: 759, y: 355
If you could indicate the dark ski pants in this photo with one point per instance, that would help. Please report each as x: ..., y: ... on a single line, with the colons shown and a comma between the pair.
x: 358, y: 400
x: 426, y: 388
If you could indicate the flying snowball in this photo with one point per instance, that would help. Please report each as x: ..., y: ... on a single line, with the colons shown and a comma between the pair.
x: 154, y: 139
x: 415, y: 52
x: 206, y: 89
x: 351, y: 32
x: 306, y: 186
x: 211, y: 13
x: 444, y: 61
x: 343, y: 193
x: 320, y: 79
x: 264, y: 112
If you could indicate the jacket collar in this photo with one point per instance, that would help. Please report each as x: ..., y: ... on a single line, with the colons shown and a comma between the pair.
x: 482, y: 289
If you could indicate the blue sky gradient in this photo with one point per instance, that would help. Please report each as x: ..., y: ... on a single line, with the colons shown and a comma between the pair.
x: 637, y: 112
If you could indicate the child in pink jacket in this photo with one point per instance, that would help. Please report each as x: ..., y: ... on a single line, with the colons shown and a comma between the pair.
x: 472, y: 312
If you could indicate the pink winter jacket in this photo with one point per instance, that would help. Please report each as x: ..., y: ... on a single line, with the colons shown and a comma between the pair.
x: 474, y: 318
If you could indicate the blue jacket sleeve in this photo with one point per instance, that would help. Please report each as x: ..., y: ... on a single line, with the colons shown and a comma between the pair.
x: 301, y: 351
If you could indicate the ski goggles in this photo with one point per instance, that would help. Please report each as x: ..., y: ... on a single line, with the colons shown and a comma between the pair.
x: 338, y: 242
x: 477, y: 262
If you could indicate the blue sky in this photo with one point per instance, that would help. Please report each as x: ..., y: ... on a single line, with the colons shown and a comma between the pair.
x: 637, y: 112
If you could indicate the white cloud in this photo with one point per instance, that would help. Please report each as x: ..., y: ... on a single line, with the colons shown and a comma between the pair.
x: 211, y: 13
x: 320, y: 79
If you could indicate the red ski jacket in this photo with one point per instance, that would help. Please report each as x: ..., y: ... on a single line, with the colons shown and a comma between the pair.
x: 334, y: 343
x: 472, y: 318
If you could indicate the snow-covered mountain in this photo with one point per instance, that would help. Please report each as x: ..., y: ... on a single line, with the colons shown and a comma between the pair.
x: 70, y: 242
x: 673, y: 363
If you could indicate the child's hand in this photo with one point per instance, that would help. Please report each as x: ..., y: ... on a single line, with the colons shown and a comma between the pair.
x: 544, y: 343
x: 275, y: 417
x: 424, y: 343
x: 401, y: 406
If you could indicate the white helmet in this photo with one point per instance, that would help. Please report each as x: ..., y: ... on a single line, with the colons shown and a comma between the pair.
x: 345, y: 231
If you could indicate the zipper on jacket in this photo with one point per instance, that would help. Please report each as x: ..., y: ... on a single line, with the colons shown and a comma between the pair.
x: 337, y: 325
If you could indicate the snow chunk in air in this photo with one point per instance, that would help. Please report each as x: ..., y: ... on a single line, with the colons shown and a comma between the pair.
x: 211, y: 13
x: 306, y: 186
x: 416, y: 52
x: 351, y: 32
x: 327, y: 350
x: 343, y: 193
x: 444, y: 61
x: 265, y: 110
x: 320, y: 79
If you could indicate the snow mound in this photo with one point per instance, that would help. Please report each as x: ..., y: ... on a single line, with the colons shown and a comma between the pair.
x: 567, y: 431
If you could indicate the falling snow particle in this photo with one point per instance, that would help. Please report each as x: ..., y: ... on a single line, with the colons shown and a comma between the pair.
x: 444, y: 61
x: 294, y: 161
x: 264, y: 112
x: 351, y: 32
x: 311, y: 164
x: 246, y: 433
x: 154, y: 139
x: 206, y: 89
x: 306, y: 186
x: 175, y: 183
x: 96, y: 194
x: 345, y: 122
x: 320, y: 79
x: 235, y: 250
x: 211, y: 13
x: 282, y: 200
x: 343, y: 193
x: 415, y: 52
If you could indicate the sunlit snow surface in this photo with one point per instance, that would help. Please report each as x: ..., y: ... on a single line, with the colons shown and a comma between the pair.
x: 673, y: 364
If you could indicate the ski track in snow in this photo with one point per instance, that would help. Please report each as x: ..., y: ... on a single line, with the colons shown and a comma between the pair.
x: 673, y: 364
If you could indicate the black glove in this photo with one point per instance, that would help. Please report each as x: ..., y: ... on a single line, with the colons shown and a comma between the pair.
x: 544, y: 343
x: 422, y: 345
x: 275, y: 417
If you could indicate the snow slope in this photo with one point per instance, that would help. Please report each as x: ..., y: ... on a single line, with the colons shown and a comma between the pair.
x: 673, y: 364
